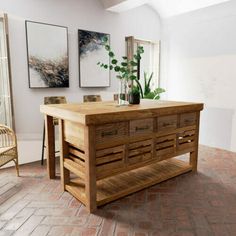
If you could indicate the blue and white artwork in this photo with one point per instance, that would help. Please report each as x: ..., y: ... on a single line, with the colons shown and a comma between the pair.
x: 91, y: 51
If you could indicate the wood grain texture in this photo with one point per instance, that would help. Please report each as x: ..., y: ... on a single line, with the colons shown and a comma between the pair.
x: 64, y: 152
x: 74, y: 133
x: 121, y: 185
x: 50, y: 146
x: 90, y: 168
x: 105, y: 112
x: 141, y: 126
x: 167, y: 123
x: 194, y: 155
x: 118, y: 150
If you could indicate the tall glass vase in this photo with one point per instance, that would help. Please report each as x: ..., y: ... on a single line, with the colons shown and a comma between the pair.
x: 123, y: 92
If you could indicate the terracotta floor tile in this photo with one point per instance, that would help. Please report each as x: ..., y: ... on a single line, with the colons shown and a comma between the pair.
x: 199, y: 204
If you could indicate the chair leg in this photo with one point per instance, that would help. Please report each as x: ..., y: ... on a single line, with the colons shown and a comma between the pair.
x: 17, y: 167
x: 43, y: 145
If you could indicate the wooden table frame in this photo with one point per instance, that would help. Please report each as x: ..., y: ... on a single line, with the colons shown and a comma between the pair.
x: 89, y: 190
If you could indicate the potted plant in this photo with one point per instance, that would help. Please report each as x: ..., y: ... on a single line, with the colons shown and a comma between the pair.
x: 126, y: 69
x: 147, y: 93
x: 134, y: 95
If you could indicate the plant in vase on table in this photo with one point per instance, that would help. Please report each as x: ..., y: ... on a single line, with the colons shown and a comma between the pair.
x: 126, y: 73
x: 146, y: 92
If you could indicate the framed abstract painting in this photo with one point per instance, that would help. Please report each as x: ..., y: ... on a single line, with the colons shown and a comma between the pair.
x: 91, y: 51
x: 47, y: 51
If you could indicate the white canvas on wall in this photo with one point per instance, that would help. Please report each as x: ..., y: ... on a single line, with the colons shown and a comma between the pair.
x: 92, y: 51
x: 47, y: 47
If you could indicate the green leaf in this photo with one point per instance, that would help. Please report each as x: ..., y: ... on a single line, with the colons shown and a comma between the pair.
x: 150, y: 78
x: 117, y: 68
x: 122, y: 69
x: 104, y: 39
x: 98, y: 63
x: 133, y: 63
x: 124, y: 64
x: 111, y: 54
x: 149, y: 95
x: 157, y: 97
x: 133, y: 77
x: 105, y: 66
x: 140, y: 87
x: 111, y: 67
x: 114, y: 61
x: 125, y: 58
x: 107, y: 47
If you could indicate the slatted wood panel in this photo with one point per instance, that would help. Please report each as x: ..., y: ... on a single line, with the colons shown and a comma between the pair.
x: 76, y: 154
x: 186, y: 139
x: 110, y: 159
x: 75, y: 162
x: 118, y: 186
x: 165, y: 145
x: 139, y: 151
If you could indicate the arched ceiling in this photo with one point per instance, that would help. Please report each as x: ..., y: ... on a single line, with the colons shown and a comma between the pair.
x: 165, y: 8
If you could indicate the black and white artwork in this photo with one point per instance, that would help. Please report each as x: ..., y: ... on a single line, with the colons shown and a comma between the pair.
x: 47, y: 47
x: 91, y: 51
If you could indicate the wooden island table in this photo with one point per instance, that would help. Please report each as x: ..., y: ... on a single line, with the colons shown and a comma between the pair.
x: 115, y: 151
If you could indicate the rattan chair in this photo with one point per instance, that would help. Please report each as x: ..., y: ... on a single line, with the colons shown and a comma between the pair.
x: 92, y: 98
x: 8, y: 147
x: 48, y: 101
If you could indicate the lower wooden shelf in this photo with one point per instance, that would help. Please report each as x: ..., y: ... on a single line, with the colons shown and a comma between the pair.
x: 115, y: 187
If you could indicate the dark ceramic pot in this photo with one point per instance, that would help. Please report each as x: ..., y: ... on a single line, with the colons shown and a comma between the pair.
x: 134, y: 98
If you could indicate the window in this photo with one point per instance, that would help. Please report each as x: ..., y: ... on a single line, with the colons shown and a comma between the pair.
x: 150, y: 62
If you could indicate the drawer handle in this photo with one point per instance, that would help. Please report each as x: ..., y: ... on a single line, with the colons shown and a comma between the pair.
x: 109, y: 133
x: 141, y: 128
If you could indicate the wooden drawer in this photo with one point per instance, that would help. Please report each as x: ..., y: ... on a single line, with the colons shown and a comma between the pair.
x: 139, y: 151
x: 167, y: 123
x: 186, y: 139
x: 188, y: 119
x: 111, y: 131
x: 110, y: 159
x: 142, y: 126
x: 165, y: 145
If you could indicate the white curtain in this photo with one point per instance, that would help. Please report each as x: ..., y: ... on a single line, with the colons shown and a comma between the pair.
x: 5, y: 98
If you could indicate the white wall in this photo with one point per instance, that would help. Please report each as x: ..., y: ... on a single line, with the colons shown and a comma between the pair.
x: 199, y: 64
x: 75, y: 14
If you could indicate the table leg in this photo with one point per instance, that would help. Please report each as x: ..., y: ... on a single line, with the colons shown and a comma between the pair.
x: 194, y: 154
x: 50, y: 146
x: 64, y: 152
x: 90, y: 169
x: 193, y: 160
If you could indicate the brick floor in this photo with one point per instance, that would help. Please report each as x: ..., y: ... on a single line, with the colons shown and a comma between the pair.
x: 192, y: 204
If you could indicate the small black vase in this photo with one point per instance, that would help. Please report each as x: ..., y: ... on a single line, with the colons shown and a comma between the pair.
x: 134, y: 98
